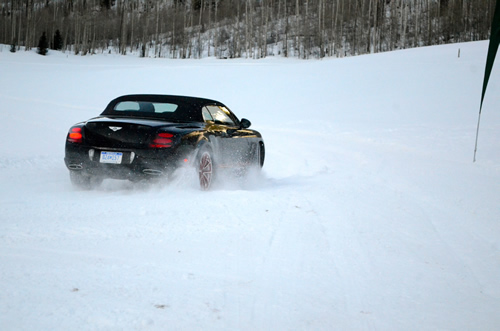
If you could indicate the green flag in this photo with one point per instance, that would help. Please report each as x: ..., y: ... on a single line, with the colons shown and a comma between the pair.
x: 490, y: 59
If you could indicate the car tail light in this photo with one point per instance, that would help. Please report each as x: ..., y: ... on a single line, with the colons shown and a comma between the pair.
x: 75, y: 135
x: 162, y: 140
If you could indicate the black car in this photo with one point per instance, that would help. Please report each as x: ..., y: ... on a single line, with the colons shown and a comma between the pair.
x: 149, y: 136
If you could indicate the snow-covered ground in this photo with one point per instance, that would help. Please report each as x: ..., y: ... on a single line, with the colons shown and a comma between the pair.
x: 369, y: 213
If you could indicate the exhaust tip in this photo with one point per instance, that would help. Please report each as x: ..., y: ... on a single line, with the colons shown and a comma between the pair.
x: 75, y: 166
x: 152, y: 172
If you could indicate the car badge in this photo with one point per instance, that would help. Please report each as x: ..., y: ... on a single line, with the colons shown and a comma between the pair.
x: 115, y: 128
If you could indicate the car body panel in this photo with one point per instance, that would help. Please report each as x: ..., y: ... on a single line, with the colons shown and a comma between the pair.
x: 151, y: 143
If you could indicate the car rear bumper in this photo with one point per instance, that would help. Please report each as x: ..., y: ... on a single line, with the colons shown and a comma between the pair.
x: 135, y: 164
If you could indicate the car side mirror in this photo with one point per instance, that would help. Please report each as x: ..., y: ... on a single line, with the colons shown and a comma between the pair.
x: 244, y: 123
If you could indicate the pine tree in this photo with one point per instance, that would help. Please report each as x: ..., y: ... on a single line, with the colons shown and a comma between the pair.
x: 43, y: 45
x: 107, y: 4
x: 58, y: 41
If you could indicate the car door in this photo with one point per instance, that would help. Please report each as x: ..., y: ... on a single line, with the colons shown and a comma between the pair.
x: 232, y: 145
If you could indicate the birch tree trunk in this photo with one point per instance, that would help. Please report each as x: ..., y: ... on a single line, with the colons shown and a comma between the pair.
x: 247, y: 35
x: 297, y: 28
x: 157, y: 29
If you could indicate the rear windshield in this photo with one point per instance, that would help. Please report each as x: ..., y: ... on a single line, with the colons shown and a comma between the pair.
x: 155, y: 109
x: 145, y: 107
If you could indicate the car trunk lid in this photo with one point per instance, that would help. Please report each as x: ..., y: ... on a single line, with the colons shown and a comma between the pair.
x: 121, y: 132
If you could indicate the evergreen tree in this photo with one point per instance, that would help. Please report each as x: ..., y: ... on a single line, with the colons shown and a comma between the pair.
x: 58, y: 41
x: 43, y: 45
x: 107, y: 4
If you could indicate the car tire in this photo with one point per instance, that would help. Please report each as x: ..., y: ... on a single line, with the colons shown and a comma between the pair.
x: 257, y: 158
x: 205, y: 168
x: 84, y: 182
x: 261, y: 154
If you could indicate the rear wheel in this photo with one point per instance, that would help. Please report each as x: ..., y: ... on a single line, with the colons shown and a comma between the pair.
x: 205, y: 170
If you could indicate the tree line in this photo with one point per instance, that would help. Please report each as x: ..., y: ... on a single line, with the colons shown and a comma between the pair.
x: 242, y: 28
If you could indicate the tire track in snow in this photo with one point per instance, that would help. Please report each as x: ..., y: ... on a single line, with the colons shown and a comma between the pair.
x: 294, y: 271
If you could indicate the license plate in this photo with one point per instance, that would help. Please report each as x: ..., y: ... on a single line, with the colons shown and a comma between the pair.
x: 111, y: 157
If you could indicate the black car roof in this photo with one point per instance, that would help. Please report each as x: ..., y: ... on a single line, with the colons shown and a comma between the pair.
x: 187, y: 100
x: 189, y: 108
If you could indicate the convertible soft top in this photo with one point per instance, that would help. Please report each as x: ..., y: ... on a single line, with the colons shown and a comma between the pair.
x: 188, y: 108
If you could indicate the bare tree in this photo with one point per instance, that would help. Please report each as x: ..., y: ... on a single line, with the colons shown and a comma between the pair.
x: 245, y: 28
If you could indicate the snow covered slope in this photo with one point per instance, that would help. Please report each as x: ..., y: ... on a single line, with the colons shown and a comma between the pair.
x: 369, y: 214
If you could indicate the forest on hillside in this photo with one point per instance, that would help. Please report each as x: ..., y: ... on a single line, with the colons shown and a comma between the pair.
x: 242, y: 28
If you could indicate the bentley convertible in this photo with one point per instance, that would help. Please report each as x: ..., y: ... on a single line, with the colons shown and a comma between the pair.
x: 149, y: 136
